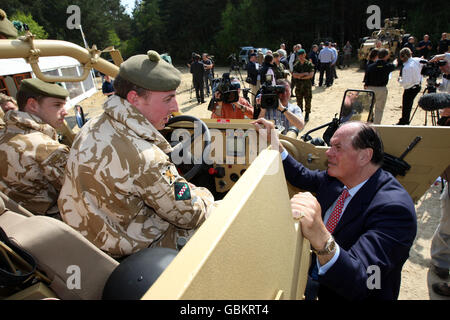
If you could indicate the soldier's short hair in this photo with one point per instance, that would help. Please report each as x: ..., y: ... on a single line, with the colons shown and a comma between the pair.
x: 23, y: 96
x: 122, y: 87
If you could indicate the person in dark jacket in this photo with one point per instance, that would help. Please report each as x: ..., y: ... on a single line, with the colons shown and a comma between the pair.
x: 361, y: 223
x: 197, y: 69
x: 253, y: 78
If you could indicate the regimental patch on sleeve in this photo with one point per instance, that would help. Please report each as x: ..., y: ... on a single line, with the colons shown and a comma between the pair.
x: 182, y: 191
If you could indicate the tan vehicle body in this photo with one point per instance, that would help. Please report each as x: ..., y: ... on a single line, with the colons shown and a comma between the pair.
x: 389, y: 36
x: 249, y: 248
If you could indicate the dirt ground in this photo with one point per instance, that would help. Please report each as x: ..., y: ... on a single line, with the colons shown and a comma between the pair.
x: 416, y: 277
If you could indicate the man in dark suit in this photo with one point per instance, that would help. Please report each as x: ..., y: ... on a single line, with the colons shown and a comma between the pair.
x: 362, y: 222
x: 253, y: 76
x: 197, y: 70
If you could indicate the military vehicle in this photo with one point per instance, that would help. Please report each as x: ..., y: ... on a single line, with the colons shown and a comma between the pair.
x: 387, y: 37
x: 249, y: 248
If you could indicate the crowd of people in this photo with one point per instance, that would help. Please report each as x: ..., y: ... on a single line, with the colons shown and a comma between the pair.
x: 379, y: 71
x: 295, y: 71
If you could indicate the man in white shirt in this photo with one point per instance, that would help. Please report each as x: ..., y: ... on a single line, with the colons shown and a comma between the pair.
x: 410, y: 80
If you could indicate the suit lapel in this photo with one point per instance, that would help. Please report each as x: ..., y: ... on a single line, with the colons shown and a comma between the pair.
x: 329, y: 196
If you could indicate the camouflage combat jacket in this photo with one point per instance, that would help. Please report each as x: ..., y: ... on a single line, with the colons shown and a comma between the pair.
x: 302, y: 68
x: 32, y: 162
x: 121, y: 191
x: 2, y: 122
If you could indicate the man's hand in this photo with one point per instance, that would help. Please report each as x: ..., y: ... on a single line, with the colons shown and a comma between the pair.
x: 306, y: 208
x: 267, y: 128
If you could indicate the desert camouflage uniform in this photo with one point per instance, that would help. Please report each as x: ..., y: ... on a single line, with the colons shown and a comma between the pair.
x: 121, y: 191
x: 2, y: 122
x: 32, y: 162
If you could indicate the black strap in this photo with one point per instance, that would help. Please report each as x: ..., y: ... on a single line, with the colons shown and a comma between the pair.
x: 7, y: 277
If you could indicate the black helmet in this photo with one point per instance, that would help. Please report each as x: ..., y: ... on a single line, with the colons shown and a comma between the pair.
x: 136, y: 274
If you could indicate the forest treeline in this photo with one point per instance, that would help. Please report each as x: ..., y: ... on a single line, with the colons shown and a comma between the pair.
x: 219, y: 27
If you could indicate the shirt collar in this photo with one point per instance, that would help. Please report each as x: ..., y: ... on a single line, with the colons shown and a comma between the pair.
x: 356, y: 188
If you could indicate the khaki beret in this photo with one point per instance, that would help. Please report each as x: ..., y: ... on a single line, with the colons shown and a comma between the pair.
x: 42, y: 88
x: 150, y: 72
x: 6, y: 26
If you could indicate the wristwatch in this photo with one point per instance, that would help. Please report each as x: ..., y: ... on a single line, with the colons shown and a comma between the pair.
x: 284, y: 110
x: 329, y: 247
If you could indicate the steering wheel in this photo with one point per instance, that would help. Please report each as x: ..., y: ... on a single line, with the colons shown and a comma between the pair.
x: 179, y: 147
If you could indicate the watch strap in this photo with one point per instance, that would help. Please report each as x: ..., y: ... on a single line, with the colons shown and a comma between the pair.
x: 329, y: 247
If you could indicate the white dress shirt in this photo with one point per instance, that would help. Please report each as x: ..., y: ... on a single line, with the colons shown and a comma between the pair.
x: 411, y: 73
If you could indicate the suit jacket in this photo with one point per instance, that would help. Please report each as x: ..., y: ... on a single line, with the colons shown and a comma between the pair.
x: 377, y: 228
x: 252, y: 73
x: 197, y: 70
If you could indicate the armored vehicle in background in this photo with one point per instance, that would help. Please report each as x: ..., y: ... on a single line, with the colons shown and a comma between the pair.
x: 387, y: 37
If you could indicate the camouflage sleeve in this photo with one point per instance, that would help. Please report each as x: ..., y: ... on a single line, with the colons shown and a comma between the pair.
x: 171, y: 196
x: 54, y: 165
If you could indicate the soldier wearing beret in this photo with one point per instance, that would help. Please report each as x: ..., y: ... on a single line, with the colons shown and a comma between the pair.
x: 7, y: 29
x: 33, y: 160
x: 121, y: 191
x: 302, y: 73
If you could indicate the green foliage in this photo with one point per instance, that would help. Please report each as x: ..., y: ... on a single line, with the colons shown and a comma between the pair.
x: 220, y: 27
x: 34, y: 27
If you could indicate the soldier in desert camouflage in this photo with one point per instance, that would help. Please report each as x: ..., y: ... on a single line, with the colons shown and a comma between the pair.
x: 121, y: 191
x: 6, y: 103
x: 33, y: 160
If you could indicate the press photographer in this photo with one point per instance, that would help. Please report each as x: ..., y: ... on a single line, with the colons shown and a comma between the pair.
x: 443, y: 61
x: 275, y: 105
x: 227, y: 102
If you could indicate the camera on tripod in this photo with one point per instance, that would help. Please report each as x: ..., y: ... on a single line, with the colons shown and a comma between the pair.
x: 228, y: 91
x: 269, y: 93
x: 432, y: 71
x: 234, y: 64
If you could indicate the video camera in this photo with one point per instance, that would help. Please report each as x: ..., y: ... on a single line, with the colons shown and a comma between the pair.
x: 269, y: 93
x: 228, y: 91
x: 432, y: 71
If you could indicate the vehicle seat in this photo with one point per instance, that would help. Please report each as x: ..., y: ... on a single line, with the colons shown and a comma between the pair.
x: 55, y: 247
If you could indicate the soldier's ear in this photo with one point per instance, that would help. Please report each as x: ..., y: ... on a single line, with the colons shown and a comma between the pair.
x: 32, y: 105
x: 132, y: 97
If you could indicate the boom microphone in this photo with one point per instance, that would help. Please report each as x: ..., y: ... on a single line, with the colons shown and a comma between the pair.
x: 434, y: 101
